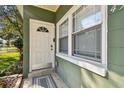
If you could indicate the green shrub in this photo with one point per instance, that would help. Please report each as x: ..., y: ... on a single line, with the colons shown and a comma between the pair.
x: 18, y: 43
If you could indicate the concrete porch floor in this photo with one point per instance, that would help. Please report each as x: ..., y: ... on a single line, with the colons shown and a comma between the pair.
x: 27, y: 83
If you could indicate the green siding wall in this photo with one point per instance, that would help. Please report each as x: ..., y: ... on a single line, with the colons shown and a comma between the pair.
x: 61, y: 11
x: 75, y: 76
x: 70, y: 73
x: 35, y: 13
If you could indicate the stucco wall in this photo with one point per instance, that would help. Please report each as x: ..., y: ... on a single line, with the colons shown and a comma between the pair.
x: 75, y: 76
x: 35, y: 13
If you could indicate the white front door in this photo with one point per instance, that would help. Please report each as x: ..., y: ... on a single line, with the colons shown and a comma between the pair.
x: 42, y: 36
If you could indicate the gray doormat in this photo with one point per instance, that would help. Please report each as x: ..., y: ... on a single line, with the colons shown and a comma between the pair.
x: 43, y: 82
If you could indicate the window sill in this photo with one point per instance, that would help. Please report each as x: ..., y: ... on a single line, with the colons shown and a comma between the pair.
x: 97, y: 68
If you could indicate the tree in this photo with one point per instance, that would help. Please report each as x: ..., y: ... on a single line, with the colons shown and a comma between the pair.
x: 11, y: 18
x: 8, y: 37
x: 12, y: 23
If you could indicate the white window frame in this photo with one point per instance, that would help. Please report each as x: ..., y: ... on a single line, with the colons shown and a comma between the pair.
x: 98, y: 68
x: 64, y: 36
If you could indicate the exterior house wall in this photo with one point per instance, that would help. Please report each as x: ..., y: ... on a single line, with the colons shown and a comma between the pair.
x: 34, y: 13
x: 75, y: 76
x: 61, y: 11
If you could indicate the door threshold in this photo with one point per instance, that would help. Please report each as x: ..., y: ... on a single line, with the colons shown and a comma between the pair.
x: 42, y: 69
x: 40, y: 72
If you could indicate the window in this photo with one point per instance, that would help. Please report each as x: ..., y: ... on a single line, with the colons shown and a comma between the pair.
x: 86, y: 36
x: 42, y: 29
x: 63, y: 37
x: 83, y: 37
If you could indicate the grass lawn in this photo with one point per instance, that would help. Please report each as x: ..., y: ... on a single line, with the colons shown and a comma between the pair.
x: 7, y: 48
x: 7, y: 59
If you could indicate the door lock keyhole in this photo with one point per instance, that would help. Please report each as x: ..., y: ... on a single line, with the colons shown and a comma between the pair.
x: 51, y: 47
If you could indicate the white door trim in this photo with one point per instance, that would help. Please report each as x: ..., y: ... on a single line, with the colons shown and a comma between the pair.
x: 46, y: 23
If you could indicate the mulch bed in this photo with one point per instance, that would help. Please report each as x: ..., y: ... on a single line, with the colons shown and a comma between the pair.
x: 12, y: 81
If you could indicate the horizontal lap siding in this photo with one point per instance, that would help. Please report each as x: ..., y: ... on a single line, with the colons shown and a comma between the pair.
x: 38, y: 14
x: 75, y: 76
x: 61, y: 11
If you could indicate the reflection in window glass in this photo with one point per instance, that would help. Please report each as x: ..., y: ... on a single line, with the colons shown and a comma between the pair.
x: 63, y: 37
x: 87, y: 42
x: 86, y: 17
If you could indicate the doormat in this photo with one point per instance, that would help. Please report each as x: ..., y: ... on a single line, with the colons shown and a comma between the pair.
x: 43, y: 82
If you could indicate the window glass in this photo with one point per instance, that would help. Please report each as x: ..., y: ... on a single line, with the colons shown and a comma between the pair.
x: 86, y: 16
x: 63, y: 37
x: 87, y: 42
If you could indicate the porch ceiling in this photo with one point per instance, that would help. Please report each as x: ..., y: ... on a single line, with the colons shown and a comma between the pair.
x: 49, y: 7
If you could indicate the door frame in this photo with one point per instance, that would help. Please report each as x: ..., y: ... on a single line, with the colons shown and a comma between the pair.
x: 43, y: 22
